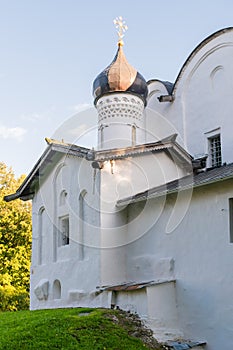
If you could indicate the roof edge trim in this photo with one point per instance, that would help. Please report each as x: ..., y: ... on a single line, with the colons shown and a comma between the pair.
x: 191, y: 55
x: 196, y: 50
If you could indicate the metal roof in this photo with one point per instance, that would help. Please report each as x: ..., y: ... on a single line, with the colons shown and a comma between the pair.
x: 56, y: 149
x: 168, y: 85
x: 183, y: 345
x: 130, y: 286
x: 206, y: 177
x: 167, y: 144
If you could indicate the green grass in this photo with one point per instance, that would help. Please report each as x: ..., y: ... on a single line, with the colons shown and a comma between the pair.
x: 67, y: 329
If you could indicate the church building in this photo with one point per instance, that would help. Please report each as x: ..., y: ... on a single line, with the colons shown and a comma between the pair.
x: 144, y: 222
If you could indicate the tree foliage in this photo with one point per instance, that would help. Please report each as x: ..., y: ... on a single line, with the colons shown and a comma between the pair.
x: 15, y: 244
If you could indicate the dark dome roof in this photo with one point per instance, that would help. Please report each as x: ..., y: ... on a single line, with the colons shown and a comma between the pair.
x: 120, y: 76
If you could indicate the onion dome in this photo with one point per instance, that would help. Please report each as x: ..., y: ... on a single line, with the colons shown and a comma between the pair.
x: 120, y: 75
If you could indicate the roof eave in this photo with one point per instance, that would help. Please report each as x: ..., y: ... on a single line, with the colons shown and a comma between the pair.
x: 169, y: 143
x: 26, y: 190
x: 31, y: 176
x: 147, y: 195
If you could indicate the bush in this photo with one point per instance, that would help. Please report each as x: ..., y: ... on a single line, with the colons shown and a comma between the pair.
x: 13, y: 299
x: 15, y: 244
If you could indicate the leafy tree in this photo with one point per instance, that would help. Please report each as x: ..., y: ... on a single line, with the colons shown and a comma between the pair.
x: 15, y: 244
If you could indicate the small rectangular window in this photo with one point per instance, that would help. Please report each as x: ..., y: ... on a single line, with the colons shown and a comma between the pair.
x: 101, y: 135
x: 231, y: 219
x: 215, y: 151
x: 133, y: 135
x: 64, y: 229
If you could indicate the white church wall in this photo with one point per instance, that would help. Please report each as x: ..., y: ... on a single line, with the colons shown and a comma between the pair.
x: 163, y: 119
x: 202, y: 99
x: 113, y: 226
x: 162, y: 311
x: 125, y: 178
x: 75, y: 261
x: 206, y: 88
x: 200, y: 249
x: 131, y: 175
x: 134, y: 301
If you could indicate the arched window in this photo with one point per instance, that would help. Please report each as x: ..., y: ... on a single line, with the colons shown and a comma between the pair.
x: 133, y: 135
x: 101, y: 135
x: 56, y: 289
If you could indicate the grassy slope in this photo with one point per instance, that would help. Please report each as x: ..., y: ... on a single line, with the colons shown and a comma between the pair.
x: 68, y: 329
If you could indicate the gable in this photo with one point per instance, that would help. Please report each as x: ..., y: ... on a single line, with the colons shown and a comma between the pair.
x: 51, y: 156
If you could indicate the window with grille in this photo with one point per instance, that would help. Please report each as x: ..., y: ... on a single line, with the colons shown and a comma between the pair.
x: 215, y: 151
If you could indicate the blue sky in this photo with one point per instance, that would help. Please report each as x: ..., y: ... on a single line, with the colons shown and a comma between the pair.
x: 51, y: 51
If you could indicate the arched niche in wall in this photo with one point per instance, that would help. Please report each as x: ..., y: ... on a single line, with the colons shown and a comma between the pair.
x: 217, y: 77
x: 56, y: 289
x: 58, y: 179
x: 58, y: 188
x: 44, y: 242
x: 40, y: 234
x: 82, y: 220
x: 62, y: 197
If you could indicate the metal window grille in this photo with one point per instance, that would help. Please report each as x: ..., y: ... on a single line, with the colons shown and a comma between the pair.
x: 215, y: 151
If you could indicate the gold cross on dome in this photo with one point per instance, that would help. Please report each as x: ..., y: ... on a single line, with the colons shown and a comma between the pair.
x: 121, y: 28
